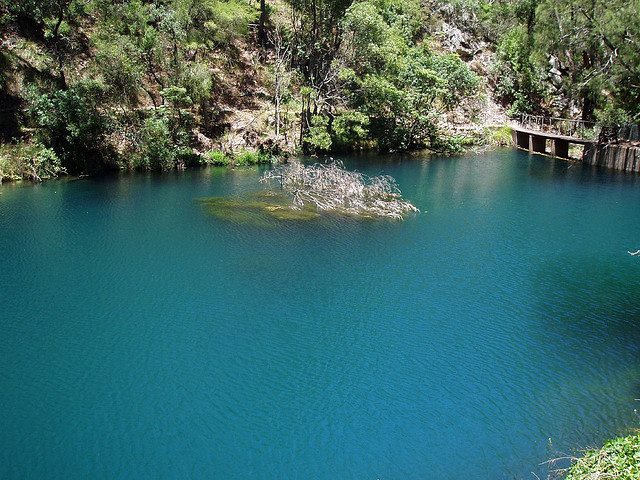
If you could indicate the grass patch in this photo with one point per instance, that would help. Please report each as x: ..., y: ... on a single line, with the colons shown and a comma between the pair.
x: 240, y: 158
x: 216, y: 157
x: 251, y: 157
x: 482, y: 137
x: 498, y: 137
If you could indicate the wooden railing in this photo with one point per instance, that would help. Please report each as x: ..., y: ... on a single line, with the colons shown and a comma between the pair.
x: 580, y: 129
x: 560, y: 126
x: 628, y: 132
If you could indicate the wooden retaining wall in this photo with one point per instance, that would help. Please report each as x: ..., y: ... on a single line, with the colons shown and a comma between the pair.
x: 617, y: 157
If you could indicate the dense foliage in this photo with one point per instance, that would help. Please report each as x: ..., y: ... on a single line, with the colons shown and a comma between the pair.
x: 566, y: 57
x: 152, y: 84
x: 156, y: 84
x: 394, y: 79
x: 118, y: 84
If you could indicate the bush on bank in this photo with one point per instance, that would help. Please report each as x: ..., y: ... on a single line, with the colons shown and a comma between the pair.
x: 28, y: 161
x: 618, y: 459
x: 240, y: 158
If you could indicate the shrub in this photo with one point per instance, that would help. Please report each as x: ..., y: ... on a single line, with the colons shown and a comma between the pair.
x: 460, y: 81
x: 122, y: 73
x: 229, y: 20
x: 30, y: 162
x: 447, y: 145
x: 71, y: 123
x: 240, y: 158
x: 156, y: 149
x: 611, y: 116
x: 516, y: 75
x: 250, y: 157
x: 318, y: 137
x: 499, y: 137
x: 350, y: 129
x: 41, y: 162
x: 187, y: 157
x: 197, y: 81
x: 163, y: 141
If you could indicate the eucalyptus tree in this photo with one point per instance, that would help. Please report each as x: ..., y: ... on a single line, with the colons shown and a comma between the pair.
x: 597, y: 47
x: 564, y: 55
x: 317, y: 37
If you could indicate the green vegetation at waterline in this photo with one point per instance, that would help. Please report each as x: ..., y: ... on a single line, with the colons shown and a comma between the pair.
x: 241, y: 158
x: 165, y: 84
x: 618, y: 459
x: 28, y: 161
x: 489, y: 136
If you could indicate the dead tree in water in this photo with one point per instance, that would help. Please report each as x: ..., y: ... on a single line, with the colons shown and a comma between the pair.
x: 332, y: 188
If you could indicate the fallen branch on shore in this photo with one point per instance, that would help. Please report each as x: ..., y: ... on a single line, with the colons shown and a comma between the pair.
x: 330, y: 187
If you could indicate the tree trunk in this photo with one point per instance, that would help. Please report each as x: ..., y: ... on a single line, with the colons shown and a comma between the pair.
x: 62, y: 6
x: 588, y: 106
x: 262, y: 34
x: 277, y: 118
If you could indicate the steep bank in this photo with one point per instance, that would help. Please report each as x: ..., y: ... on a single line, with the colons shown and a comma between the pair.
x: 93, y: 85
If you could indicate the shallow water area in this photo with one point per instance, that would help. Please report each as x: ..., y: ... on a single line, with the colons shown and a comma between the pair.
x: 149, y: 328
x: 257, y: 208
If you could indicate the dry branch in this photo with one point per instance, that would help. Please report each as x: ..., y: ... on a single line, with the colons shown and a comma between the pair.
x: 332, y: 188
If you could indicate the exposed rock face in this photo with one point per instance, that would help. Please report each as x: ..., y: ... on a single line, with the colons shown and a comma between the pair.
x: 555, y: 71
x: 457, y: 31
x: 454, y: 40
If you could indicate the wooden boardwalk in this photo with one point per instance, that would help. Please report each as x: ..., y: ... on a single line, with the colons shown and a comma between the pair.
x: 549, y: 142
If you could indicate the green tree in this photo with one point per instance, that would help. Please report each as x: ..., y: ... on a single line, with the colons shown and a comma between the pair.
x: 394, y: 79
x: 597, y: 47
x: 71, y: 122
x: 57, y: 22
x: 517, y: 76
x: 317, y: 37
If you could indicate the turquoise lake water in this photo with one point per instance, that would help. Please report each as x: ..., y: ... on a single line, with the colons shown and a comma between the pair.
x: 141, y: 337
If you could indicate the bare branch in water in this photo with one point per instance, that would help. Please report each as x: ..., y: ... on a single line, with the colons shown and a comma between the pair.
x: 332, y: 188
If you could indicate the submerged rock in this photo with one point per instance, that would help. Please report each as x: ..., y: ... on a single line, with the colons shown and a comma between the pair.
x: 258, y: 208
